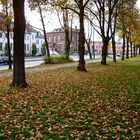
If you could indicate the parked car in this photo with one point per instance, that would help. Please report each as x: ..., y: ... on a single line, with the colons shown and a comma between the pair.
x: 118, y: 55
x: 4, y: 59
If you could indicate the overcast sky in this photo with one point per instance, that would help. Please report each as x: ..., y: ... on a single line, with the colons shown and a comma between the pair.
x: 51, y: 21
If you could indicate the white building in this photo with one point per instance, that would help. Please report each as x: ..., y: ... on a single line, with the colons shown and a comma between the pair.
x: 31, y: 36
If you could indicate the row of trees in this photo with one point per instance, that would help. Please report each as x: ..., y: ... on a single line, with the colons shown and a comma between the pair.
x: 106, y: 17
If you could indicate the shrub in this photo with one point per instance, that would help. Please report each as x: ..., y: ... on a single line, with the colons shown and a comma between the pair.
x: 57, y: 59
x: 43, y: 49
x: 34, y: 49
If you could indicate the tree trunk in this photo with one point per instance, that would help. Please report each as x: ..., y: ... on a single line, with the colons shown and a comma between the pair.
x: 19, y: 79
x: 9, y: 48
x: 114, y: 49
x: 134, y: 51
x: 8, y: 39
x: 139, y: 49
x: 123, y: 47
x: 67, y: 44
x: 93, y: 49
x: 127, y: 48
x: 89, y: 51
x: 104, y: 50
x: 131, y: 49
x: 66, y: 29
x: 44, y: 32
x: 81, y: 47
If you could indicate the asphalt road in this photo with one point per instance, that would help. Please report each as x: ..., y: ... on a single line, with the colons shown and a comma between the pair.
x: 28, y: 63
x: 35, y: 61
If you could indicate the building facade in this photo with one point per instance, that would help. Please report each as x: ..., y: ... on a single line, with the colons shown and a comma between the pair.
x: 31, y: 36
x: 56, y: 40
x: 98, y: 48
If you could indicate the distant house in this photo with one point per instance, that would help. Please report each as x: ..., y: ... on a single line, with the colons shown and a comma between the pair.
x: 56, y: 40
x: 98, y: 47
x: 31, y: 36
x: 118, y: 48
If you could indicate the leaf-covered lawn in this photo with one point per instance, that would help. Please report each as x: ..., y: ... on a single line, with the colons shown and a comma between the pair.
x: 103, y: 103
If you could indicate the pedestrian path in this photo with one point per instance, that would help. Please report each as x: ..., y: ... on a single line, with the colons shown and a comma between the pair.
x: 54, y: 67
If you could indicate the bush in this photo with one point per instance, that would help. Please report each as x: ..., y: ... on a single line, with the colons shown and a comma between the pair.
x: 43, y: 49
x: 34, y: 49
x: 57, y: 59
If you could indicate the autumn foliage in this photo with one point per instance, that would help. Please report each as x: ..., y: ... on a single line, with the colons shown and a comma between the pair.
x: 103, y: 103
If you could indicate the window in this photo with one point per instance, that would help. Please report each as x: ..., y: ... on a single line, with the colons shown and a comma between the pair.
x: 37, y: 41
x: 62, y: 38
x: 27, y: 47
x: 0, y: 46
x: 54, y: 38
x: 32, y: 36
x: 37, y: 34
x: 37, y: 50
x: 59, y: 38
x: 11, y: 46
x: 49, y: 38
x: 27, y: 37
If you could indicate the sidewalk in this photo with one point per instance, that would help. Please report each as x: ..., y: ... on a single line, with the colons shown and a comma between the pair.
x: 27, y: 59
x: 55, y: 67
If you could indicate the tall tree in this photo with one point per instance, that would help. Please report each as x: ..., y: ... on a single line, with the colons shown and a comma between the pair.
x: 103, y: 14
x: 113, y: 29
x: 19, y: 79
x: 81, y: 12
x: 6, y: 5
x: 61, y: 8
x: 79, y: 8
x: 40, y: 6
x: 88, y: 39
x: 126, y: 22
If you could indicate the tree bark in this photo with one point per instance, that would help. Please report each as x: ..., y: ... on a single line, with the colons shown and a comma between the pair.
x: 9, y: 48
x: 19, y: 79
x: 127, y: 48
x: 66, y: 30
x: 139, y: 49
x: 44, y: 32
x: 114, y: 49
x: 104, y: 50
x: 8, y: 40
x: 67, y: 43
x: 134, y: 50
x: 123, y: 47
x: 89, y: 51
x: 81, y: 47
x: 131, y: 49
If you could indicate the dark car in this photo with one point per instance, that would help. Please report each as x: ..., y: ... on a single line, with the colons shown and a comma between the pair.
x: 4, y: 59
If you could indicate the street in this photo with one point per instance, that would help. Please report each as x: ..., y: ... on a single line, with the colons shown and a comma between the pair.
x: 35, y: 61
x: 28, y: 63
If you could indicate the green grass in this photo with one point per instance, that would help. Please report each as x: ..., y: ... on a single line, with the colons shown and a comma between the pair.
x: 56, y: 59
x: 103, y: 103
